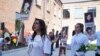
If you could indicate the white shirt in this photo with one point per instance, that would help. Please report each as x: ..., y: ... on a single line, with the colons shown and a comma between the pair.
x: 6, y: 34
x: 77, y: 41
x: 1, y: 41
x: 39, y: 47
x: 63, y: 41
x: 97, y: 36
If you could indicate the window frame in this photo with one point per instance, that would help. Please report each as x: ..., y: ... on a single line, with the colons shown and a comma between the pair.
x: 67, y: 13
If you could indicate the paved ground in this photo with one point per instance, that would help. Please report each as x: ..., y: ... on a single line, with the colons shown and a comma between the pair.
x: 89, y: 53
x: 23, y: 52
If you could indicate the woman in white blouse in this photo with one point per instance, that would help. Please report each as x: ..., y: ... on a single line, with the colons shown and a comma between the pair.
x: 93, y: 36
x: 40, y: 44
x: 78, y: 40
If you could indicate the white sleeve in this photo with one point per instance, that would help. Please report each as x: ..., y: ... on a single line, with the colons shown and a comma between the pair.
x: 7, y: 35
x: 29, y: 45
x: 86, y: 40
x: 47, y: 46
x: 95, y: 36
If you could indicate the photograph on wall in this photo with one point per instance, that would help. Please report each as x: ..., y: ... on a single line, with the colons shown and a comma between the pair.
x: 89, y: 18
x: 26, y: 6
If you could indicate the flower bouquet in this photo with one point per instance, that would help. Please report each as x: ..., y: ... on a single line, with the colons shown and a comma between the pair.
x: 81, y: 51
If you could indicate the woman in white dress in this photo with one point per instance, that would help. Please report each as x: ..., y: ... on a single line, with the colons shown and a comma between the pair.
x: 93, y: 36
x: 78, y: 40
x: 40, y: 44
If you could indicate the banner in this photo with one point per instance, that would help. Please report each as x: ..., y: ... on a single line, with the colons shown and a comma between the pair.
x: 65, y: 29
x: 89, y: 21
x: 25, y: 10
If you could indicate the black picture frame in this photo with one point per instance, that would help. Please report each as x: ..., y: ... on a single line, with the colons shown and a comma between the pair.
x: 89, y: 17
x: 28, y: 8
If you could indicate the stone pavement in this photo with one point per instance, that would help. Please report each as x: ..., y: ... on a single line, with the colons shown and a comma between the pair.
x: 23, y: 52
x: 89, y: 53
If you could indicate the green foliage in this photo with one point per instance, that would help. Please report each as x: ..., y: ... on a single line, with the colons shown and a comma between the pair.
x: 17, y: 25
x: 98, y: 47
x: 92, y: 47
x: 82, y: 49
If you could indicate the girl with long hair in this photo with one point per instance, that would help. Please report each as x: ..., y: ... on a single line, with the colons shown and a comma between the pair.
x: 40, y: 44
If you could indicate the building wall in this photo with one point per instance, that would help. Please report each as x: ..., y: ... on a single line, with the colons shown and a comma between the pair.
x: 84, y: 6
x: 43, y: 13
x: 56, y: 15
x: 7, y: 12
x: 9, y: 8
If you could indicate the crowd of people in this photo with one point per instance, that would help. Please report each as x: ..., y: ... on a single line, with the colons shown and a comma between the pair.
x: 79, y: 43
x: 8, y: 40
x: 80, y: 40
x: 42, y: 44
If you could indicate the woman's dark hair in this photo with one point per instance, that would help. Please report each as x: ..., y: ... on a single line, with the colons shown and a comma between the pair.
x: 73, y: 33
x: 81, y: 26
x: 7, y: 39
x: 42, y: 28
x: 88, y: 28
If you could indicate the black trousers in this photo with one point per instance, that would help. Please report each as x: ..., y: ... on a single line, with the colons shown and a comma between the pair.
x: 52, y: 49
x: 57, y: 44
x: 96, y: 54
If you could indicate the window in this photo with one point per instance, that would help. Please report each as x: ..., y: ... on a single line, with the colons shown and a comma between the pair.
x: 66, y: 13
x: 48, y: 5
x: 55, y: 10
x: 92, y: 10
x: 59, y: 13
x: 38, y: 3
x: 79, y: 13
x: 2, y: 25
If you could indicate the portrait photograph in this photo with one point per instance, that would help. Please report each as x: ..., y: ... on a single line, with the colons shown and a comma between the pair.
x: 89, y: 18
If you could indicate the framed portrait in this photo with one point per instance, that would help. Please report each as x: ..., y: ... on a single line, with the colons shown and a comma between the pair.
x: 89, y: 17
x: 65, y: 29
x: 26, y: 6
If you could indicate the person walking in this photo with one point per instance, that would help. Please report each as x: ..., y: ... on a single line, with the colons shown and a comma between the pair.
x: 40, y: 44
x: 57, y: 39
x: 93, y: 36
x: 79, y: 41
x: 52, y: 41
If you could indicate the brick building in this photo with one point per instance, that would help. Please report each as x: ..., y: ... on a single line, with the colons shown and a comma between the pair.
x: 48, y: 10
